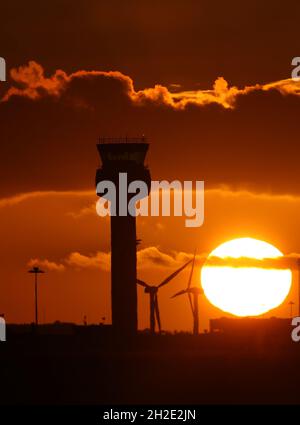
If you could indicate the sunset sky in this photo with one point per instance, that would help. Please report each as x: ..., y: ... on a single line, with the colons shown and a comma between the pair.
x: 211, y: 89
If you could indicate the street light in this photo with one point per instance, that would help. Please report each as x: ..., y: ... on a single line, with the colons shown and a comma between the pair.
x: 36, y: 271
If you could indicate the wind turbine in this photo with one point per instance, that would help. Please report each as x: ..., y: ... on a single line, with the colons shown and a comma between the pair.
x: 291, y: 304
x: 36, y: 271
x: 193, y: 293
x: 152, y: 290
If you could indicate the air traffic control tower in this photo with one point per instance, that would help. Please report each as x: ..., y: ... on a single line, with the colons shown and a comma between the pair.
x: 123, y: 155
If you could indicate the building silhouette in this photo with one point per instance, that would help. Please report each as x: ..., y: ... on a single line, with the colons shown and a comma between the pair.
x: 123, y: 155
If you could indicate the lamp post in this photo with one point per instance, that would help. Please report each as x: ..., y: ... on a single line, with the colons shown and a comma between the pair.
x: 36, y: 271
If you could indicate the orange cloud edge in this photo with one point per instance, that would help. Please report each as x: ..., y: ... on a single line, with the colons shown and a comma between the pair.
x: 29, y: 81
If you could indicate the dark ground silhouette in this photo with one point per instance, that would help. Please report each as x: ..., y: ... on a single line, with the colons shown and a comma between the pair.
x: 68, y: 364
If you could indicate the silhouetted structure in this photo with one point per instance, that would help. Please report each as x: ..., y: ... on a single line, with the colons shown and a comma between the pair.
x: 153, y: 293
x: 291, y: 304
x: 245, y: 326
x: 194, y: 291
x: 123, y: 156
x: 36, y: 271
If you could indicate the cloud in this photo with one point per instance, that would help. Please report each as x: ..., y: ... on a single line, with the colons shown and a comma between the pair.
x: 220, y: 94
x: 284, y: 262
x: 285, y: 87
x: 152, y: 257
x: 220, y: 191
x: 33, y: 84
x: 146, y: 258
x: 101, y: 260
x: 236, y: 141
x: 30, y: 81
x: 20, y: 198
x: 46, y: 264
x: 83, y: 212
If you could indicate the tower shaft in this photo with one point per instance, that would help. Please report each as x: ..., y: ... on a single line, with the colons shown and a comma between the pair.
x: 196, y: 314
x: 36, y: 299
x: 123, y: 274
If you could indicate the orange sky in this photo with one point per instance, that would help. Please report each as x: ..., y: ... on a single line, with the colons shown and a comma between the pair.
x: 62, y: 230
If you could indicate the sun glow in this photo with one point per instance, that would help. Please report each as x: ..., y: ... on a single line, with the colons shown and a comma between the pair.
x: 245, y: 291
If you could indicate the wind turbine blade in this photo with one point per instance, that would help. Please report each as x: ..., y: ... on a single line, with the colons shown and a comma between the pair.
x: 157, y: 313
x: 142, y: 283
x: 164, y: 282
x: 192, y: 271
x: 179, y: 293
x: 191, y: 304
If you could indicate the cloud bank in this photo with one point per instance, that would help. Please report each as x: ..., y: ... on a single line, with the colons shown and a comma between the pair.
x: 29, y: 81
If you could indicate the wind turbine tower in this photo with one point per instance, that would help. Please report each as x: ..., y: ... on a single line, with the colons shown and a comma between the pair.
x: 152, y: 290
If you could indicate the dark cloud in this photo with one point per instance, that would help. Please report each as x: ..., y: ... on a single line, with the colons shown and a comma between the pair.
x: 50, y: 144
x: 50, y: 125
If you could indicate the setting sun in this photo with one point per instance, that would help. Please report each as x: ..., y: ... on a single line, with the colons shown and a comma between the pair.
x: 245, y: 291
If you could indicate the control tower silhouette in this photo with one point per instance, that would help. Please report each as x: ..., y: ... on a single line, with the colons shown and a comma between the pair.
x: 123, y: 155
